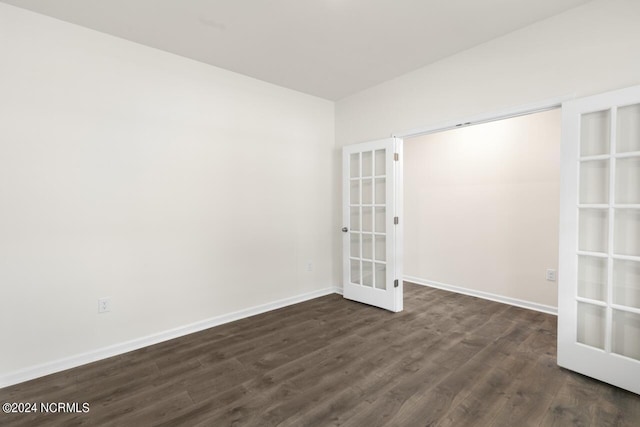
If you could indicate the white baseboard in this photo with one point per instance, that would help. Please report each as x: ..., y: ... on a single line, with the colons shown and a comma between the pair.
x: 485, y: 295
x: 41, y: 370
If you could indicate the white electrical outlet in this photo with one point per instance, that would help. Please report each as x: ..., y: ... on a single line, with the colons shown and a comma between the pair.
x: 309, y: 265
x: 551, y: 275
x: 104, y: 305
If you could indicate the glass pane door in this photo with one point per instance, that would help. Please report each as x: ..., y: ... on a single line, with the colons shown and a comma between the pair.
x: 371, y: 238
x: 608, y: 256
x: 599, y: 280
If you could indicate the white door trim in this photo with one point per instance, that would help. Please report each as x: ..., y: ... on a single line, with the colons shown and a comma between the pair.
x: 516, y: 111
x: 398, y: 207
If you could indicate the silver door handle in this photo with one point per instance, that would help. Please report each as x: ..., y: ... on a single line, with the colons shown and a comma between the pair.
x: 345, y: 229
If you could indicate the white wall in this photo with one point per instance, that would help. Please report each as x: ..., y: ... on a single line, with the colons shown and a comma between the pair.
x: 179, y: 190
x: 586, y: 50
x: 481, y: 207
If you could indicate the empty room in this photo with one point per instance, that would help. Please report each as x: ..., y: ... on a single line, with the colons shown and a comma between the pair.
x: 321, y: 213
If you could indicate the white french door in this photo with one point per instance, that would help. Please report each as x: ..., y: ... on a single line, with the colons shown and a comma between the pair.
x: 599, y: 282
x: 372, y: 227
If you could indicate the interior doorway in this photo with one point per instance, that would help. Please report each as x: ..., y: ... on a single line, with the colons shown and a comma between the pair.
x: 584, y: 187
x: 481, y: 209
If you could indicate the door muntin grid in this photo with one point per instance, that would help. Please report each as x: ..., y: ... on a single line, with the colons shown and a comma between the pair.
x: 608, y: 289
x: 368, y: 250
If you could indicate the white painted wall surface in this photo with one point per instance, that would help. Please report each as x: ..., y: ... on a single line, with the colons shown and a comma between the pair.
x: 481, y: 207
x: 586, y: 50
x: 181, y: 191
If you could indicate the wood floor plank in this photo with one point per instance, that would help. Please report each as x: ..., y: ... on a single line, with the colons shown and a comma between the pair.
x: 154, y: 413
x: 388, y: 405
x: 448, y: 360
x: 584, y: 401
x: 533, y: 394
x: 486, y: 399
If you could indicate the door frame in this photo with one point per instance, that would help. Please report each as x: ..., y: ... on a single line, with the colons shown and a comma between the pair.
x: 507, y: 113
x: 511, y: 112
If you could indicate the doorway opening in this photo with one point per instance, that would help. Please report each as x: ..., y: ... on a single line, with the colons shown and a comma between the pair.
x: 481, y: 209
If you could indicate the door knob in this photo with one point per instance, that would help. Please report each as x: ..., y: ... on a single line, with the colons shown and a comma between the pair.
x: 345, y: 229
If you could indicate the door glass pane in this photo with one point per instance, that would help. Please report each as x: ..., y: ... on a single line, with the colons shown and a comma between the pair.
x: 628, y: 129
x: 367, y: 192
x: 626, y: 239
x: 628, y: 180
x: 381, y: 248
x: 367, y: 219
x: 626, y: 283
x: 594, y: 133
x: 354, y: 190
x: 367, y: 273
x: 380, y: 162
x: 355, y: 245
x: 591, y: 325
x: 381, y: 220
x: 626, y: 334
x: 381, y: 189
x: 367, y: 246
x: 355, y: 219
x: 355, y: 271
x: 592, y: 278
x: 381, y: 276
x: 367, y: 163
x: 593, y: 225
x: 354, y: 161
x: 594, y: 182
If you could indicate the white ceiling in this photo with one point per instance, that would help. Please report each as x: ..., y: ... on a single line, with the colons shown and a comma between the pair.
x: 327, y: 48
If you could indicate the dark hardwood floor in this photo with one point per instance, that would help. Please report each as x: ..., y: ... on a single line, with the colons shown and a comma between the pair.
x: 448, y: 360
